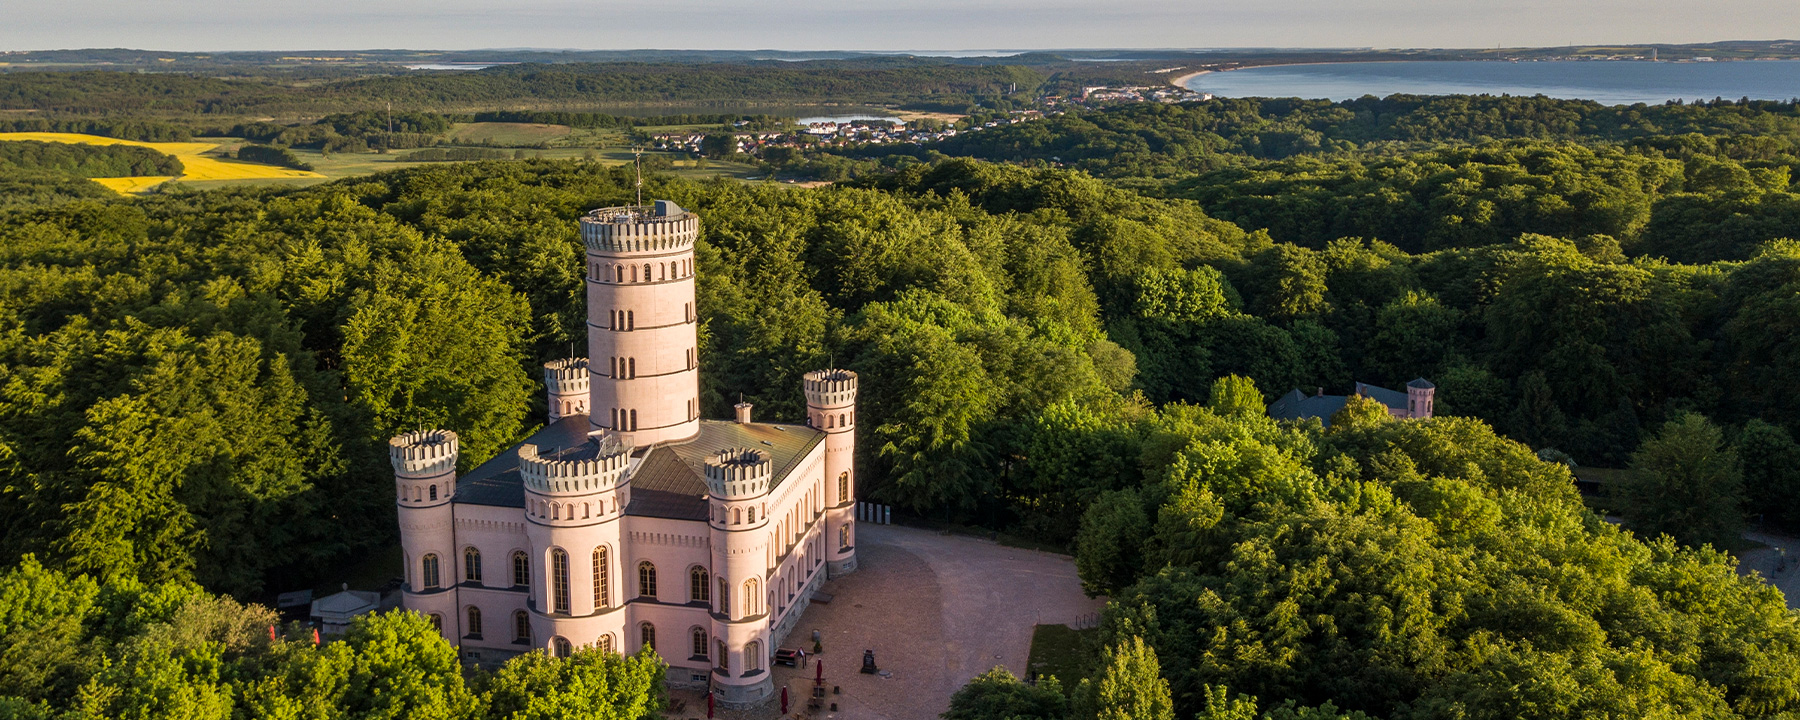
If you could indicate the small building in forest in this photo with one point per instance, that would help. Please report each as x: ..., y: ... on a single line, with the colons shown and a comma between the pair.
x: 1414, y: 403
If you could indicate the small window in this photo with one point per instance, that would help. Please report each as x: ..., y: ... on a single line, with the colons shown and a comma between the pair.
x: 844, y: 538
x: 429, y: 572
x: 699, y: 642
x: 433, y: 492
x: 646, y: 579
x: 647, y: 635
x: 471, y: 565
x: 752, y: 516
x: 521, y: 569
x: 560, y: 647
x: 521, y: 627
x: 724, y: 597
x: 559, y: 576
x: 724, y: 656
x: 606, y: 642
x: 752, y: 656
x: 437, y: 622
x: 699, y: 589
x: 634, y: 424
x: 602, y: 579
x: 843, y: 487
x: 474, y: 623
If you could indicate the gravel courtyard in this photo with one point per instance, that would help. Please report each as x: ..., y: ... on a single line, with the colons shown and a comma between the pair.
x: 936, y: 609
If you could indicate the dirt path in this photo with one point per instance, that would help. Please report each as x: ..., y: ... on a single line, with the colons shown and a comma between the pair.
x: 936, y: 609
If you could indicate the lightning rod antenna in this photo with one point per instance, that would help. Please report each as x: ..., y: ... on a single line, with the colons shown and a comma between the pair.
x: 637, y: 164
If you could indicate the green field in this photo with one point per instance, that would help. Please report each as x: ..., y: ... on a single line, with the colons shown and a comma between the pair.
x: 1063, y: 652
x: 337, y: 166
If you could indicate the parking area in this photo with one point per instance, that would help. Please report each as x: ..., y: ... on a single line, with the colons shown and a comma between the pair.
x: 936, y: 609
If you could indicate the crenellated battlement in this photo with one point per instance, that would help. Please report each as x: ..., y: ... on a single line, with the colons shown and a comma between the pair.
x: 568, y: 376
x: 661, y: 227
x: 423, y: 453
x: 829, y: 388
x: 738, y: 473
x: 591, y: 467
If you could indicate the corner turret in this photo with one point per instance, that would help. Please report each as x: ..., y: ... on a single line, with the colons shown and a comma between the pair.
x: 425, y: 480
x: 566, y: 381
x: 831, y: 408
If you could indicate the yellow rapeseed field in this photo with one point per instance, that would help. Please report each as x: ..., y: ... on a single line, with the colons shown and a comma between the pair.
x: 198, y: 166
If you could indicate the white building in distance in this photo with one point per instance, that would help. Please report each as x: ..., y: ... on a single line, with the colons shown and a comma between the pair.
x: 629, y: 521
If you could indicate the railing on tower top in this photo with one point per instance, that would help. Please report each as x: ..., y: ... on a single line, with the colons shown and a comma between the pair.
x: 633, y: 214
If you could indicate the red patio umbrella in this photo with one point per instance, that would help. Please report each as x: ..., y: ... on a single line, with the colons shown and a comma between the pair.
x: 821, y: 664
x: 784, y: 699
x: 709, y: 706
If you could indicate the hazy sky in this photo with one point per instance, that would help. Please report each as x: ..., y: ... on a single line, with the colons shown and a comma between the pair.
x: 877, y: 24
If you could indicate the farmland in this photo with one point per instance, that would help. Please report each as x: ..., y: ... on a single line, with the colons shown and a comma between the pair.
x: 201, y: 166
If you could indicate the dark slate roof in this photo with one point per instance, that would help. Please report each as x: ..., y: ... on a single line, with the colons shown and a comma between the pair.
x: 667, y: 482
x: 1297, y: 405
x: 1421, y: 383
x: 1390, y: 398
x: 496, y: 482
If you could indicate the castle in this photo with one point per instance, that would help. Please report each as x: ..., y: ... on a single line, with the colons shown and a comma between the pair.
x: 628, y: 521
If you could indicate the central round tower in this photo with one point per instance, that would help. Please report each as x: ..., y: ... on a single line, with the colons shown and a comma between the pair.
x: 642, y: 341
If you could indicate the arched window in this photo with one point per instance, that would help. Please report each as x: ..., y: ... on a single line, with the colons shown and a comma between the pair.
x: 633, y: 419
x: 752, y: 516
x: 630, y: 319
x: 844, y: 538
x: 437, y: 622
x: 471, y: 565
x: 521, y: 570
x: 619, y: 273
x: 646, y: 272
x: 559, y: 580
x: 843, y: 487
x: 699, y: 638
x: 428, y: 575
x: 699, y: 590
x: 724, y: 597
x: 841, y: 421
x: 634, y: 273
x: 474, y: 623
x: 646, y: 579
x: 751, y: 596
x: 602, y: 584
x: 433, y: 492
x: 724, y: 656
x: 560, y: 647
x: 606, y: 642
x: 737, y: 516
x: 521, y: 627
x: 647, y: 635
x: 631, y: 371
x: 752, y: 656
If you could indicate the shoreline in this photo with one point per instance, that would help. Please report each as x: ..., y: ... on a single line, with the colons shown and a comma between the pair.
x: 1181, y: 81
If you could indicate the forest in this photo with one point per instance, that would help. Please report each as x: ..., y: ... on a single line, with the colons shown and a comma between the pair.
x: 198, y: 387
x: 27, y: 157
x: 570, y: 86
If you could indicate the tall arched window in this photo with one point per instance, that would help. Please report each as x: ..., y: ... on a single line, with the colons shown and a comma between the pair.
x: 724, y: 655
x: 433, y: 492
x: 724, y: 597
x: 521, y: 570
x: 843, y: 487
x: 753, y: 516
x: 737, y: 516
x: 647, y: 635
x: 474, y: 623
x: 751, y: 597
x: 560, y: 647
x: 844, y: 537
x: 634, y: 420
x: 752, y: 656
x: 471, y: 565
x: 437, y: 622
x: 618, y: 273
x: 630, y: 319
x: 559, y: 580
x: 521, y: 627
x: 646, y: 272
x: 699, y: 638
x: 602, y: 577
x: 606, y: 642
x: 699, y: 590
x: 646, y: 579
x: 428, y: 575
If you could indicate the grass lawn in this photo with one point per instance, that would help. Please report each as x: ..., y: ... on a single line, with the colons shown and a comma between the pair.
x: 1063, y: 652
x: 509, y: 134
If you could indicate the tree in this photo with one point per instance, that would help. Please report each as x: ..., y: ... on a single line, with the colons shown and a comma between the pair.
x: 1109, y: 548
x: 591, y: 683
x: 1129, y: 687
x: 1771, y: 461
x: 997, y: 695
x: 1236, y: 396
x: 1686, y: 483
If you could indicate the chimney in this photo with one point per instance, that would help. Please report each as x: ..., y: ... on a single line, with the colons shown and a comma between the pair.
x: 743, y: 413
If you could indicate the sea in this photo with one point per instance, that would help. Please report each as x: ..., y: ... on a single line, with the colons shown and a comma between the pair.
x: 1620, y: 82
